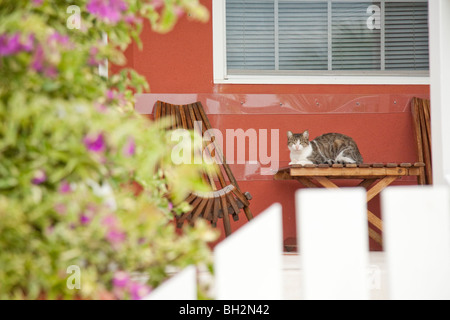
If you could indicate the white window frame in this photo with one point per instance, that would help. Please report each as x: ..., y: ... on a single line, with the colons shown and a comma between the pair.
x: 222, y: 77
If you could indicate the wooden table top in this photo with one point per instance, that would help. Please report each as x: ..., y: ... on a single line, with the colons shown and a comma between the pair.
x: 350, y: 171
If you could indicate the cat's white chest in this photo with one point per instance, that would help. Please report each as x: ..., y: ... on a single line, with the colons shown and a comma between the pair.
x: 301, y: 156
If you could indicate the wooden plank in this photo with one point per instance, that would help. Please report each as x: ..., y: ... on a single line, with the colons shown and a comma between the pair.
x: 326, y: 182
x: 240, y: 196
x: 377, y: 188
x: 306, y: 182
x: 199, y: 210
x: 392, y: 165
x: 216, y: 210
x: 373, y: 219
x: 219, y: 152
x: 233, y: 202
x: 416, y: 121
x: 158, y: 110
x: 426, y: 130
x: 207, y: 214
x: 366, y: 183
x: 348, y: 172
x: 375, y: 236
x: 226, y: 217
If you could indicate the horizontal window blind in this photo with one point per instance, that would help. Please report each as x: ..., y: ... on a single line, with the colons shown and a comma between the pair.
x: 250, y: 32
x: 303, y: 35
x: 355, y: 46
x: 407, y: 36
x: 325, y: 35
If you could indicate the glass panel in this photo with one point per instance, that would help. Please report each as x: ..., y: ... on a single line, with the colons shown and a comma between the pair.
x: 356, y: 35
x: 250, y: 35
x: 407, y: 36
x: 303, y: 35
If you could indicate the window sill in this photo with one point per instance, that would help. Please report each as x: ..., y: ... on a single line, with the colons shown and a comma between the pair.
x: 329, y: 80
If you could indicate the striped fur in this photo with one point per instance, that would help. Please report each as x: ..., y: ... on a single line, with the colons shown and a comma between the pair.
x: 329, y: 148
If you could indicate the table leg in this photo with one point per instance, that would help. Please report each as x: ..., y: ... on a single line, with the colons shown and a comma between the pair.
x: 373, y: 219
x: 327, y: 183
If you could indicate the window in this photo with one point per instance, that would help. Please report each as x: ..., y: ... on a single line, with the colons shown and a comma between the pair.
x: 294, y: 39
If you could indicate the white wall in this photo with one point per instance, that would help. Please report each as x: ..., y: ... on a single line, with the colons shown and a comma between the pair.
x: 439, y: 20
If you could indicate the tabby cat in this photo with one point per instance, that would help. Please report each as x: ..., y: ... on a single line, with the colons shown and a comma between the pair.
x: 329, y: 148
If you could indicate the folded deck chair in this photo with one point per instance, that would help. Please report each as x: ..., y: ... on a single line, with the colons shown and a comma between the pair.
x: 225, y: 197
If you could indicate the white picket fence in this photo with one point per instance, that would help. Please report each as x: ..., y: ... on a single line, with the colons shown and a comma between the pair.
x: 332, y: 232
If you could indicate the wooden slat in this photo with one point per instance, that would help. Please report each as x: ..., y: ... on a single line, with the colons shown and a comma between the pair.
x: 326, y: 182
x: 367, y: 183
x: 158, y: 110
x: 392, y: 165
x: 199, y: 210
x: 226, y: 217
x: 349, y: 172
x: 216, y: 210
x: 233, y: 202
x: 406, y: 165
x: 418, y: 131
x: 375, y: 236
x: 207, y: 214
x: 373, y: 219
x: 306, y: 182
x: 383, y: 183
x: 240, y: 196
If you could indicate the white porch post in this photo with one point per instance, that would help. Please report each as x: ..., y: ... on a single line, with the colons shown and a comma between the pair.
x: 439, y: 21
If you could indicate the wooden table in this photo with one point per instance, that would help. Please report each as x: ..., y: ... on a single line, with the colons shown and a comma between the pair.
x: 375, y: 177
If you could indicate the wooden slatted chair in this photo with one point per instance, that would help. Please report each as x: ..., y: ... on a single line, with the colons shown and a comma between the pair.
x: 420, y: 109
x: 226, y: 196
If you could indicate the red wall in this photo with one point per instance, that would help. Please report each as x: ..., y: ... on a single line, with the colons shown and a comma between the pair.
x: 182, y: 62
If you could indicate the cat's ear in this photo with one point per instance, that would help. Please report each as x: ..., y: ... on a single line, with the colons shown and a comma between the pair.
x: 289, y: 134
x: 306, y: 134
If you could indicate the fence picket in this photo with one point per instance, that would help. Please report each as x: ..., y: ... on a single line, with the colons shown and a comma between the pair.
x: 248, y: 264
x: 333, y: 241
x: 417, y: 242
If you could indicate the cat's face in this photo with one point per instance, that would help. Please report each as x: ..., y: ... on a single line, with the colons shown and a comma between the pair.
x: 297, y: 141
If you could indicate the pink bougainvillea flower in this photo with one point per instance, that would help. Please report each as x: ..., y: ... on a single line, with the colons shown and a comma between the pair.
x: 64, y: 187
x: 157, y: 3
x: 56, y: 37
x: 93, y: 61
x: 179, y: 11
x: 115, y: 236
x: 110, y: 221
x: 38, y: 59
x: 95, y: 143
x: 132, y: 19
x: 139, y: 291
x: 39, y: 177
x: 121, y: 279
x: 37, y: 2
x: 130, y: 148
x: 28, y: 45
x: 110, y: 94
x: 85, y: 219
x: 107, y: 10
x: 60, y: 208
x: 11, y: 44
